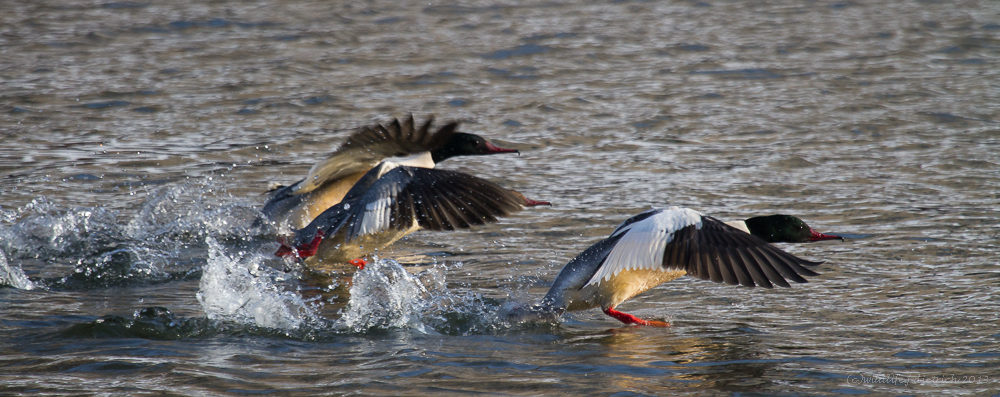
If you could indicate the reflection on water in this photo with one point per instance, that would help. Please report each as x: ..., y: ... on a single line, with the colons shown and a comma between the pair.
x: 139, y: 138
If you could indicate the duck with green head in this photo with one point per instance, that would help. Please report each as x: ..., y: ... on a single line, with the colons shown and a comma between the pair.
x: 404, y: 143
x: 781, y: 229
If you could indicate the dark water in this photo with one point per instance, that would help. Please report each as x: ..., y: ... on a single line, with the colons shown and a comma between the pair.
x: 138, y: 138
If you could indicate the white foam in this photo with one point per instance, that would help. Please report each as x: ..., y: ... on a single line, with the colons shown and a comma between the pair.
x: 385, y: 295
x: 187, y: 210
x: 41, y: 229
x: 13, y: 275
x: 163, y: 236
x: 238, y: 287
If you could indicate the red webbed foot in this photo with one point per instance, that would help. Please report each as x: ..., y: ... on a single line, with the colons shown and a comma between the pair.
x: 630, y: 319
x: 359, y: 262
x: 302, y: 251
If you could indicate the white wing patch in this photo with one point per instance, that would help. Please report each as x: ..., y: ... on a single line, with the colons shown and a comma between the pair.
x: 739, y: 225
x: 378, y: 214
x: 643, y: 243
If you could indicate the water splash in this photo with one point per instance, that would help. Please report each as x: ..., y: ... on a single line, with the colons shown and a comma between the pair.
x: 41, y: 230
x: 237, y: 287
x: 181, y: 232
x: 161, y: 240
x: 13, y: 276
x: 185, y: 214
x: 385, y: 295
x: 246, y: 289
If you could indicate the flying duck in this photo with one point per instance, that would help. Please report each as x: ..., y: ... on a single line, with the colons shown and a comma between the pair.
x: 393, y: 200
x: 403, y: 143
x: 781, y: 229
x: 660, y: 245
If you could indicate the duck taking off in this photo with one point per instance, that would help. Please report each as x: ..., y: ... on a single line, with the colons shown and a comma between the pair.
x: 403, y: 143
x: 393, y: 200
x: 663, y: 244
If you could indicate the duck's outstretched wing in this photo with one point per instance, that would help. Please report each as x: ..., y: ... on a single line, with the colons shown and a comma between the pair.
x: 370, y: 145
x: 721, y: 253
x: 431, y: 199
x: 704, y: 247
x: 407, y: 197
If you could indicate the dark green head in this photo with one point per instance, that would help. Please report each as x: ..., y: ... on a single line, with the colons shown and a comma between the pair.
x: 784, y: 229
x: 464, y: 144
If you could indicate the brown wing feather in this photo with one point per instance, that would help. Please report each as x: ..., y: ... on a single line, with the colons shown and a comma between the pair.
x: 369, y: 145
x: 456, y: 200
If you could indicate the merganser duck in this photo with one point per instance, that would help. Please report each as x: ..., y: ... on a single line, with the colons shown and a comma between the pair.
x: 328, y: 181
x: 660, y: 245
x: 781, y: 229
x: 391, y: 201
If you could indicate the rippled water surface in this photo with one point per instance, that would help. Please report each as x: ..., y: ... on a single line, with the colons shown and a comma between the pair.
x: 138, y: 138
